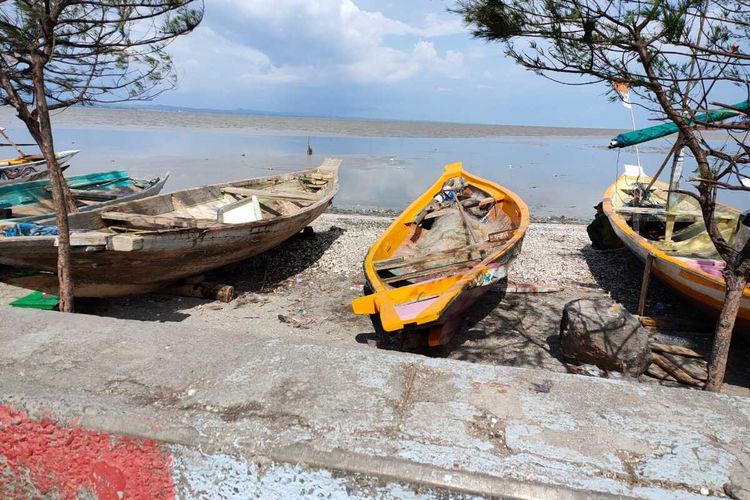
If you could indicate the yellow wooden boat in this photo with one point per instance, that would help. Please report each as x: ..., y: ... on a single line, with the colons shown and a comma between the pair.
x: 684, y: 256
x: 440, y: 255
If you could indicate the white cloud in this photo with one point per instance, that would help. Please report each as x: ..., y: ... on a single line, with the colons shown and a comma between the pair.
x: 205, y: 59
x: 441, y: 25
x: 312, y: 42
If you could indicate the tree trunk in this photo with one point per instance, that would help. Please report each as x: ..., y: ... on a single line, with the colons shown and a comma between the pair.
x: 736, y: 282
x: 57, y: 182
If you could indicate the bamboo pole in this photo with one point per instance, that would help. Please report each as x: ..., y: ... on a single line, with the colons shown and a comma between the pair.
x: 20, y: 152
x: 661, y: 168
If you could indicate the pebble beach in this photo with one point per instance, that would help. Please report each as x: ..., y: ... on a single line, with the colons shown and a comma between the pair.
x: 304, y: 289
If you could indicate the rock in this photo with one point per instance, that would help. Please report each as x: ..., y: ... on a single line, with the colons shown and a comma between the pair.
x: 600, y: 332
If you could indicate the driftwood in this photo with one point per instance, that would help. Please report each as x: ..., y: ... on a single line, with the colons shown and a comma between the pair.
x: 696, y: 368
x: 675, y: 349
x: 674, y: 370
x: 665, y: 323
x: 655, y: 371
x: 202, y: 289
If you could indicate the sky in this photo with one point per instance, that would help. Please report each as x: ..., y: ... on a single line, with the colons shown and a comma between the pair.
x: 404, y: 60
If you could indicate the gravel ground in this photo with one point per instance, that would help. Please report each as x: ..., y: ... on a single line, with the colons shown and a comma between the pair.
x: 305, y: 287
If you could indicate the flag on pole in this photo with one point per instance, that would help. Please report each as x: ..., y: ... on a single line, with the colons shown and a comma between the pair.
x: 622, y: 89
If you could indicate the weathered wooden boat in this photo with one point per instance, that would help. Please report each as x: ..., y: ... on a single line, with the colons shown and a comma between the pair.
x: 32, y: 201
x: 658, y: 223
x: 144, y: 245
x: 439, y: 256
x: 30, y: 167
x: 684, y: 257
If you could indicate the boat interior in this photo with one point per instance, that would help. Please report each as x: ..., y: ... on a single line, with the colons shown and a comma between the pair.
x: 39, y: 201
x: 232, y: 203
x: 459, y: 227
x: 679, y: 231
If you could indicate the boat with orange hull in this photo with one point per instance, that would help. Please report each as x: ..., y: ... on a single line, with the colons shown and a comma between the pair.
x: 439, y: 256
x: 684, y: 258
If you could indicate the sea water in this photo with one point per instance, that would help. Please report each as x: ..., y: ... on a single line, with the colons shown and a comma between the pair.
x: 557, y: 171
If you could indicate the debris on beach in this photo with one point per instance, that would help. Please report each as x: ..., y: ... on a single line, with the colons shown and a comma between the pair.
x: 676, y: 363
x: 296, y: 321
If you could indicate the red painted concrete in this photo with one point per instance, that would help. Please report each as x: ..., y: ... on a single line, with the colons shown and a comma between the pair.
x: 63, y: 461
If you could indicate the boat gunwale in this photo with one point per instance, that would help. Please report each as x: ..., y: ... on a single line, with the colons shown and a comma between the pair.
x: 60, y: 156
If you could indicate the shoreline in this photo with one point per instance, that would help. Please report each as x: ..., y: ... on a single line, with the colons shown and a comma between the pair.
x: 392, y: 213
x: 284, y: 125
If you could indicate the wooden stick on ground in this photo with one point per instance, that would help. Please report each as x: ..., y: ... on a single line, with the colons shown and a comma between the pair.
x: 675, y: 349
x: 655, y: 371
x: 678, y: 373
x: 213, y: 291
x: 661, y: 323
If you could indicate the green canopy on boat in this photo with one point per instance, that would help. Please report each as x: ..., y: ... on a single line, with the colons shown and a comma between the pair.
x: 657, y: 131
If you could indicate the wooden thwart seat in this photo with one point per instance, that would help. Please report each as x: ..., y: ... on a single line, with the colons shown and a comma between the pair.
x: 156, y: 221
x: 260, y: 193
x: 424, y: 273
x: 680, y: 216
x: 397, y: 262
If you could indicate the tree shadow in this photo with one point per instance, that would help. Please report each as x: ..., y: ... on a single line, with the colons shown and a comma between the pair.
x: 512, y: 329
x: 260, y: 274
x: 620, y: 273
x: 505, y: 329
x: 269, y: 270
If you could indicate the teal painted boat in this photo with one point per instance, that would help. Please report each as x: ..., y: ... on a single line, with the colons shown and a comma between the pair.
x: 31, y: 201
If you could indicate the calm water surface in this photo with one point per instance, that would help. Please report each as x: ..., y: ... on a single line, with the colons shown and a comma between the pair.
x: 386, y: 164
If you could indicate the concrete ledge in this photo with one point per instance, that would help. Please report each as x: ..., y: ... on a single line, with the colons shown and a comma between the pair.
x: 442, y: 424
